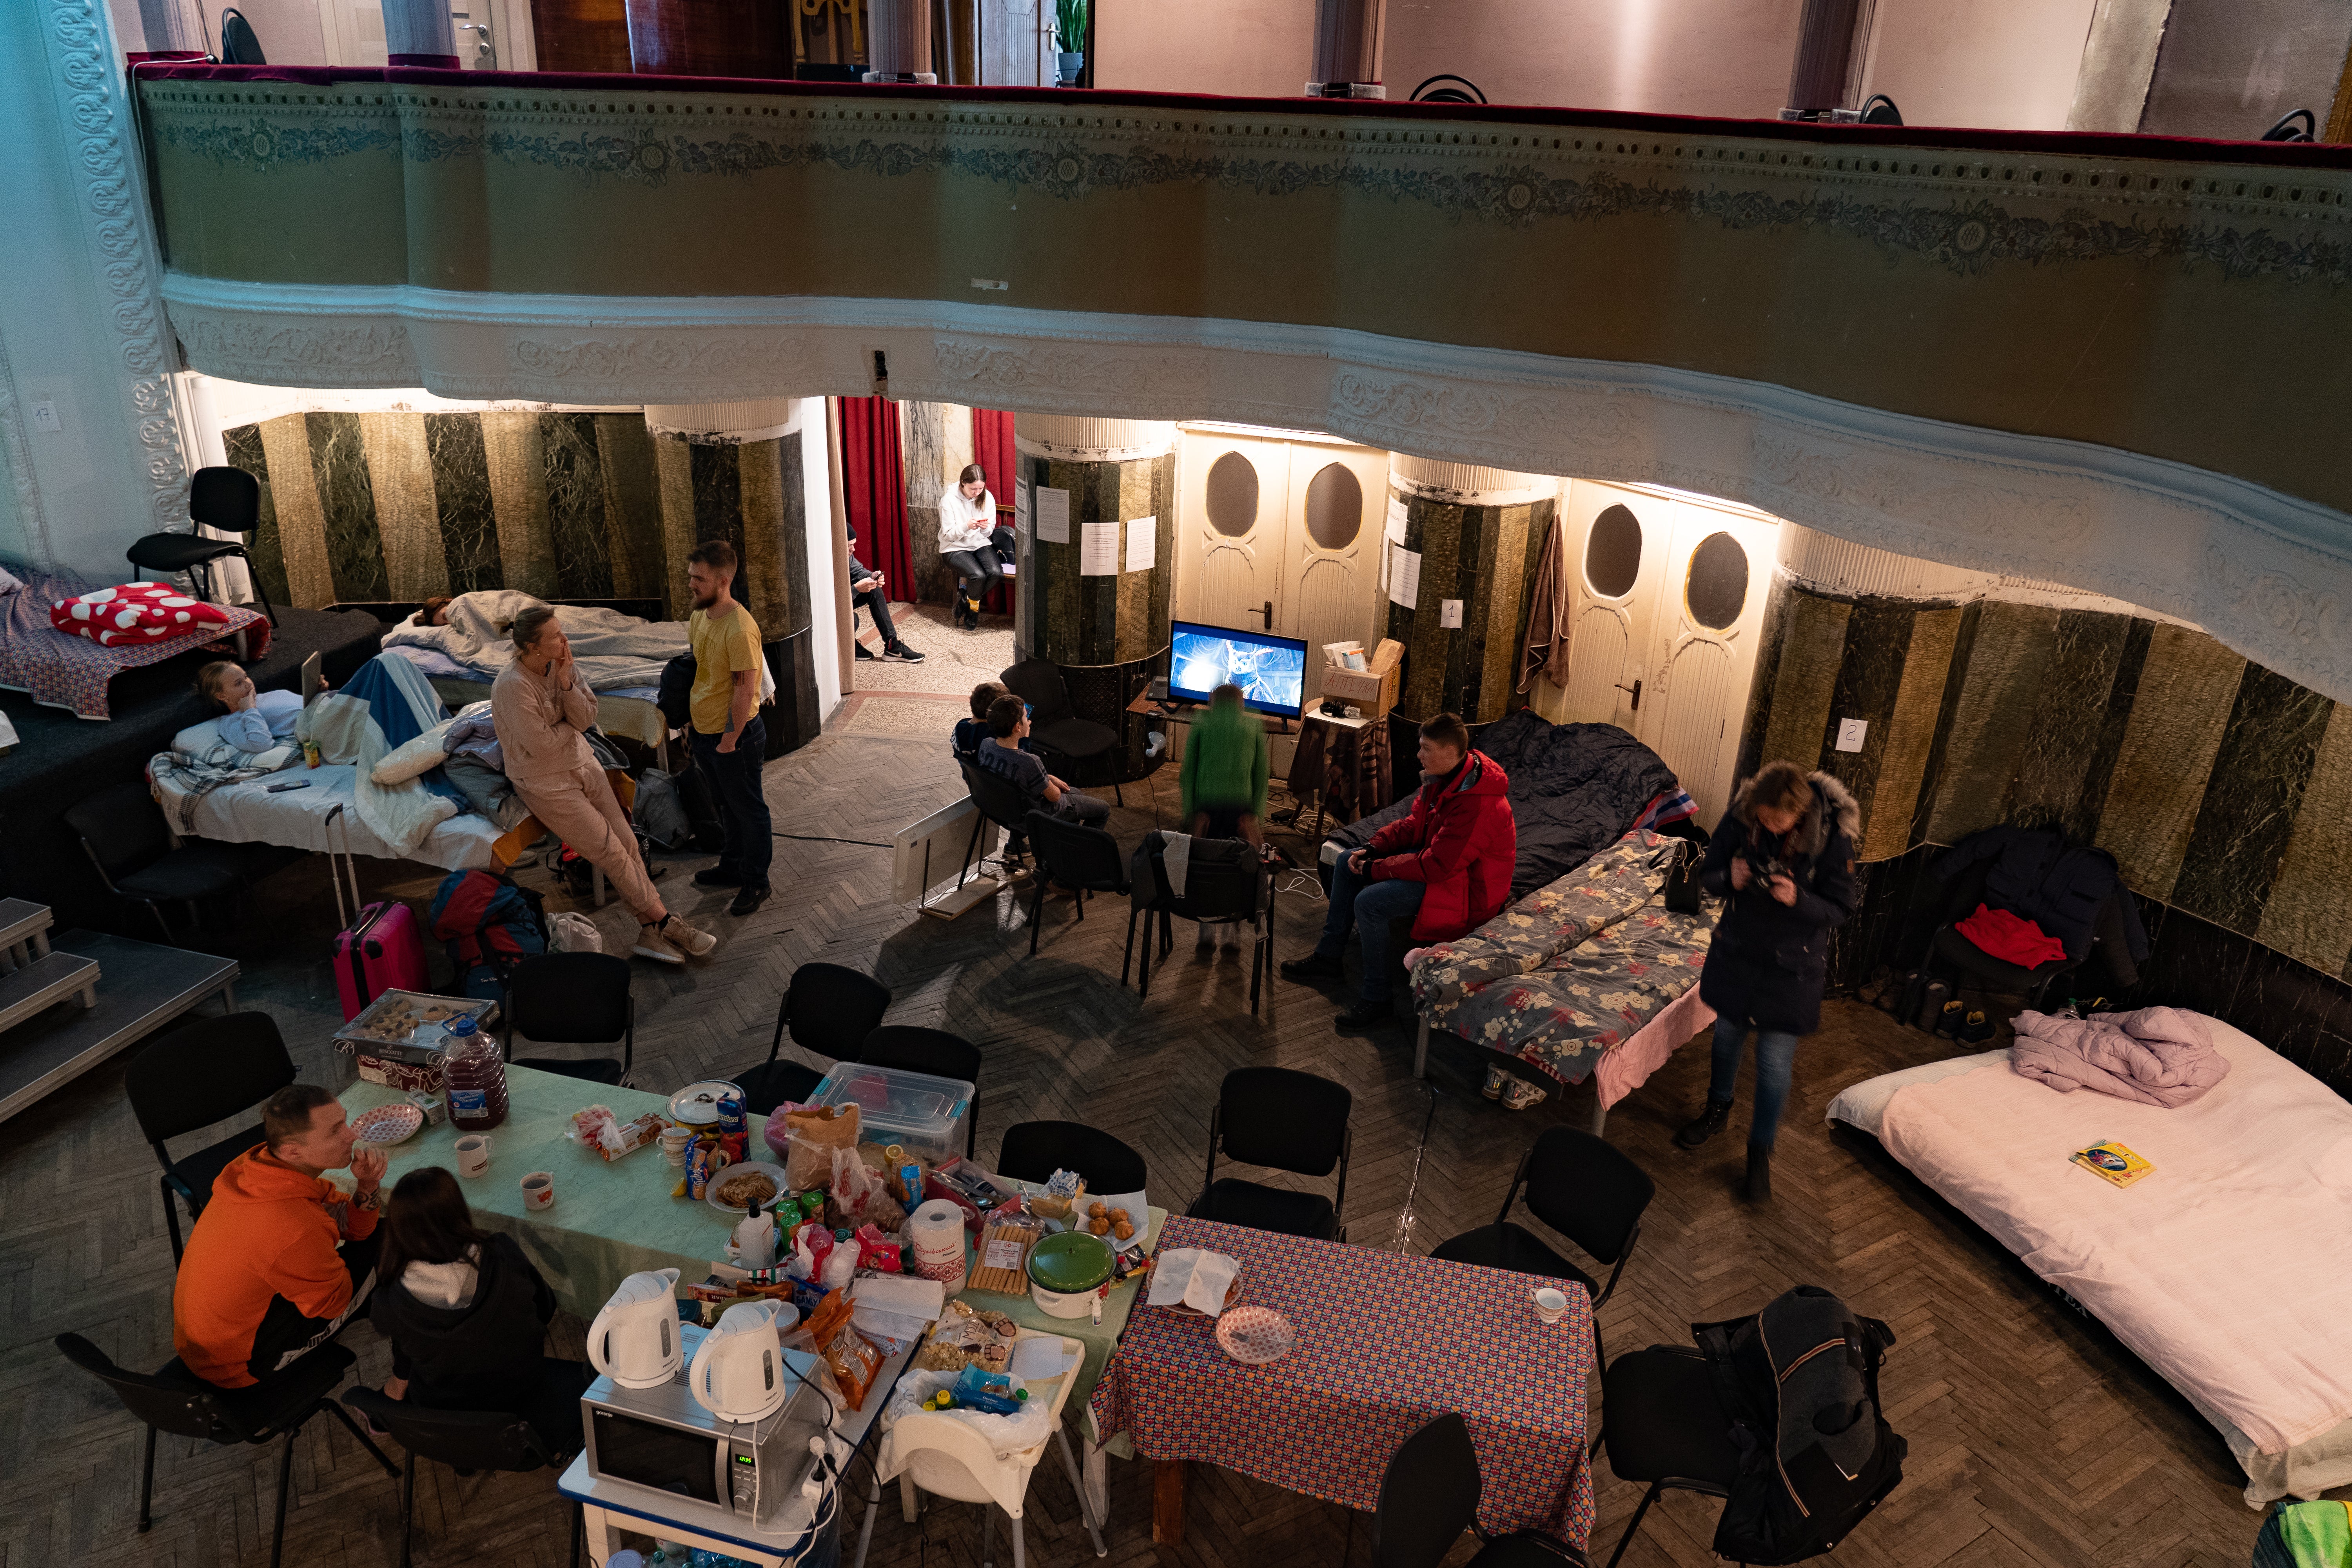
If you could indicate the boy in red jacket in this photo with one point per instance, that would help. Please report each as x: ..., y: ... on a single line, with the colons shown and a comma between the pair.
x: 264, y: 1279
x: 1447, y: 863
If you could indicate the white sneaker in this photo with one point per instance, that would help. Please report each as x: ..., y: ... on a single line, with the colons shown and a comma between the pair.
x: 652, y: 944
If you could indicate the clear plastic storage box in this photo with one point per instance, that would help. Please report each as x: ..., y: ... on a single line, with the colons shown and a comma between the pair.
x: 922, y: 1114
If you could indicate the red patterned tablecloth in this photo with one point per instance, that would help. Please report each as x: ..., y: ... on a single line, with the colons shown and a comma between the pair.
x: 1385, y: 1342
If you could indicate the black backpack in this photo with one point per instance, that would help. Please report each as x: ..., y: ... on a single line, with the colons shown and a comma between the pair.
x: 675, y: 697
x: 1800, y: 1382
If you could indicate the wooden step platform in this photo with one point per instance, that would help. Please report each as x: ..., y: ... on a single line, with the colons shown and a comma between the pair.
x: 146, y: 986
x: 24, y: 930
x: 51, y: 978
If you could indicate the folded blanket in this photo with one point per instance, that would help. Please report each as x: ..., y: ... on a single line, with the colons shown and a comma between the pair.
x: 613, y: 652
x: 192, y: 775
x: 384, y: 705
x: 2157, y: 1055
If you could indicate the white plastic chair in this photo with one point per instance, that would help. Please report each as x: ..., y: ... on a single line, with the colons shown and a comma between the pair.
x: 938, y: 1454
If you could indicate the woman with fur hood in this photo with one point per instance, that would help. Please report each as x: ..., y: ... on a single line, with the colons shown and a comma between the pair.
x: 1782, y: 857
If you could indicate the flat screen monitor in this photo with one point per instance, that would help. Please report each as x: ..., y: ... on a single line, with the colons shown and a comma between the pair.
x: 1270, y: 670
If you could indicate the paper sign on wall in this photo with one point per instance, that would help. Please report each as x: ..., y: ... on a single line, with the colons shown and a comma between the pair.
x: 1850, y: 733
x: 1404, y: 576
x: 1098, y: 548
x: 1053, y: 515
x: 1142, y: 543
x: 1394, y: 532
x: 1449, y: 612
x: 1020, y: 506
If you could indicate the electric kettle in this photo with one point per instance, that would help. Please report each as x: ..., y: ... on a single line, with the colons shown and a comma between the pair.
x: 635, y: 1340
x: 739, y: 1374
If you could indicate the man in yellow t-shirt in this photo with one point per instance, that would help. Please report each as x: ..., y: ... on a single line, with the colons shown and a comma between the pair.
x: 729, y: 742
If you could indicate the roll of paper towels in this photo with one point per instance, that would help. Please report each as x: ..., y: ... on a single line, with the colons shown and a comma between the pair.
x: 934, y: 1236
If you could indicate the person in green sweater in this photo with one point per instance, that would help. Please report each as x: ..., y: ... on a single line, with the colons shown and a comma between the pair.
x: 1224, y: 774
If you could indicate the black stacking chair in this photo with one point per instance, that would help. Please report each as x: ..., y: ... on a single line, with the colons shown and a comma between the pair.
x: 906, y: 1048
x: 1033, y: 1150
x: 1291, y: 1121
x: 1429, y: 1496
x: 1053, y: 723
x: 206, y: 1070
x: 1662, y: 1424
x: 573, y: 999
x: 1582, y: 1187
x: 225, y: 499
x: 177, y: 1401
x: 829, y: 1010
x: 469, y: 1441
x: 998, y: 799
x: 124, y: 832
x: 1954, y: 955
x: 1081, y: 858
x: 1225, y: 880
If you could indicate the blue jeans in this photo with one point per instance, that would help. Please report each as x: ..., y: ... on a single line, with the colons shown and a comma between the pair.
x: 1366, y: 906
x: 743, y: 806
x: 1775, y: 1051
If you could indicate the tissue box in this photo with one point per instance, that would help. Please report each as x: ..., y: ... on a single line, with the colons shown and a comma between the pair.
x: 1372, y: 689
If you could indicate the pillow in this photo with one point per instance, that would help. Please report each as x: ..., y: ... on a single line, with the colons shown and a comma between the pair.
x: 418, y: 756
x: 134, y: 613
x: 198, y: 739
x: 9, y: 582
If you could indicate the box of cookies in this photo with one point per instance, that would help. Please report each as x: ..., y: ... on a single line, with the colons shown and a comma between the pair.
x: 387, y: 1027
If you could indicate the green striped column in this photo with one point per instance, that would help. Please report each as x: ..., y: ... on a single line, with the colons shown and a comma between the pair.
x: 1479, y: 533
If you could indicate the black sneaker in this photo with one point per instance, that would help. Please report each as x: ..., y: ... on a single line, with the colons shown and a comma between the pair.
x: 1314, y: 966
x: 900, y: 653
x: 861, y: 650
x: 713, y: 876
x: 748, y: 900
x: 1363, y: 1018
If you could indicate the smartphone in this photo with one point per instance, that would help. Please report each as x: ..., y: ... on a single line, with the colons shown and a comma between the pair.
x: 291, y: 784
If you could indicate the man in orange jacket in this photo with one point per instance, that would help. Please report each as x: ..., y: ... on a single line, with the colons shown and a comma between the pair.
x: 264, y: 1279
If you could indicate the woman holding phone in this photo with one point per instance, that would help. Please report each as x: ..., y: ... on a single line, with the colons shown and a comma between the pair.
x: 967, y: 536
x: 540, y: 705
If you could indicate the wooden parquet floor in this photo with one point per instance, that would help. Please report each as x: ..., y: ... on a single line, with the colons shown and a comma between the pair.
x: 2035, y: 1440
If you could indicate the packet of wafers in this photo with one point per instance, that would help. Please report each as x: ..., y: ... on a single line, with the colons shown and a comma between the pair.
x: 2110, y: 1160
x: 1003, y: 1262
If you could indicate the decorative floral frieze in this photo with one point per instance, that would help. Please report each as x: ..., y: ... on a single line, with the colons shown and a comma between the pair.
x: 1398, y: 405
x: 1912, y: 492
x: 232, y: 347
x: 1073, y: 369
x: 666, y: 359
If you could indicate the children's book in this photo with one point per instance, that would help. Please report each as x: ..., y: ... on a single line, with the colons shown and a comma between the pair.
x: 2113, y: 1161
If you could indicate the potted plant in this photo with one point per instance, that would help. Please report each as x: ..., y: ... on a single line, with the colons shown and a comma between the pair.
x: 1069, y: 39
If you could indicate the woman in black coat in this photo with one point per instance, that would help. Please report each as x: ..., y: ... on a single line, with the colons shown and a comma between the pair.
x: 1783, y: 858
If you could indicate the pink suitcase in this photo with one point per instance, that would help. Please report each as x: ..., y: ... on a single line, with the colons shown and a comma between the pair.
x: 382, y: 951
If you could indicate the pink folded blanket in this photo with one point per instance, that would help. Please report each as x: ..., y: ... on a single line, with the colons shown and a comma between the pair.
x: 2157, y: 1055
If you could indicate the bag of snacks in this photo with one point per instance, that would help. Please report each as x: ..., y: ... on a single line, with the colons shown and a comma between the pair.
x: 811, y: 1137
x: 968, y: 1336
x: 854, y: 1360
x: 860, y: 1194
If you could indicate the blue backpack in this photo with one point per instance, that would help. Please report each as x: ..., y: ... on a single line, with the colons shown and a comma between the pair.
x: 489, y: 925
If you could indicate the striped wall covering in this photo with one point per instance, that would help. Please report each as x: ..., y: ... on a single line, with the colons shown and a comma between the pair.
x: 1487, y: 557
x: 2222, y: 788
x: 393, y: 506
x: 1113, y: 619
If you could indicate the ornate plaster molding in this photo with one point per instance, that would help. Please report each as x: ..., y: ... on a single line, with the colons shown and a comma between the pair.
x: 20, y: 468
x: 2262, y: 571
x: 110, y: 202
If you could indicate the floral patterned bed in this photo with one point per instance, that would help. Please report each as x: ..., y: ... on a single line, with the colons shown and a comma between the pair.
x: 1575, y: 967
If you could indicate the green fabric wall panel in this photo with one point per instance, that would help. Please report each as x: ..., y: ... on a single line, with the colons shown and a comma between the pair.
x: 2187, y: 685
x: 1813, y: 647
x: 2006, y: 668
x: 1895, y: 798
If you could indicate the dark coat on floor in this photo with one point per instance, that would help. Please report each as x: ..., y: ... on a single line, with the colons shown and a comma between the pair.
x: 1769, y: 961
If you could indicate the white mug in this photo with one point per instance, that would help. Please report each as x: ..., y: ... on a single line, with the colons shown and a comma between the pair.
x: 1552, y: 1305
x: 473, y: 1153
x: 538, y: 1192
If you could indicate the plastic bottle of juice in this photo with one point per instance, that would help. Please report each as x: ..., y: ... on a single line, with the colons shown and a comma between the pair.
x: 476, y: 1077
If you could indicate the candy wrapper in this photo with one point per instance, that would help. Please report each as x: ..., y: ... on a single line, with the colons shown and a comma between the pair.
x: 597, y: 1128
x: 877, y: 1251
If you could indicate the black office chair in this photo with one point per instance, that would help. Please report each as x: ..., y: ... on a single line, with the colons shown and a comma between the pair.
x: 998, y: 800
x: 1664, y: 1424
x: 225, y: 499
x: 1053, y: 723
x: 573, y: 999
x: 469, y: 1441
x: 906, y: 1048
x: 1224, y: 879
x: 1581, y: 1186
x: 1033, y: 1150
x: 177, y: 1401
x: 1291, y: 1121
x: 124, y: 832
x: 206, y: 1070
x: 829, y: 1010
x: 1081, y: 858
x: 1429, y: 1496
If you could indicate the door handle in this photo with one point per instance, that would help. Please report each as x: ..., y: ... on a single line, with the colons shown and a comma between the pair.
x: 1636, y: 689
x: 1268, y: 612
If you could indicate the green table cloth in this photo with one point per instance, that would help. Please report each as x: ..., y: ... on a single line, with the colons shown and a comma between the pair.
x: 1101, y: 1339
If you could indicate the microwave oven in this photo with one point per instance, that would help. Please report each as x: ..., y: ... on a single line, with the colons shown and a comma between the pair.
x: 663, y: 1441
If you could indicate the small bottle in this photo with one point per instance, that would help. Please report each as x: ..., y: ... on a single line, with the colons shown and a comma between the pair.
x: 475, y: 1075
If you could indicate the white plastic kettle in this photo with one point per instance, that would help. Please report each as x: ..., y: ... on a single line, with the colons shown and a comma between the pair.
x: 635, y: 1340
x: 739, y: 1373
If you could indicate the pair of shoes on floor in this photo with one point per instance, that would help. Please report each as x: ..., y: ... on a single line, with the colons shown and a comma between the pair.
x: 899, y: 653
x: 1977, y: 1030
x: 861, y: 652
x: 673, y: 941
x: 1312, y: 967
x: 748, y: 901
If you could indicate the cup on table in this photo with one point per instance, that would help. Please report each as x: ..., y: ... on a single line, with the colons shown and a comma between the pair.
x: 1552, y: 1305
x: 538, y: 1192
x: 674, y: 1141
x: 473, y: 1153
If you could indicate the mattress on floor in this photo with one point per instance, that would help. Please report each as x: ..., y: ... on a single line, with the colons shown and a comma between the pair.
x: 2223, y: 1270
x: 248, y: 814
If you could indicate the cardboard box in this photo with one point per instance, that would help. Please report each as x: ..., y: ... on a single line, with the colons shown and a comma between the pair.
x: 1372, y: 689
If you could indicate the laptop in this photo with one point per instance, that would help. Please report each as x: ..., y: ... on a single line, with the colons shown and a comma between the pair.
x: 309, y: 686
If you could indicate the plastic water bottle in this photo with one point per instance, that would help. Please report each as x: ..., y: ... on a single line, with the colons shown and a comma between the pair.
x: 475, y: 1075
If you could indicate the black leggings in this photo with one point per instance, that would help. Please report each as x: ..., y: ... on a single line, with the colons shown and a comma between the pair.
x: 979, y: 569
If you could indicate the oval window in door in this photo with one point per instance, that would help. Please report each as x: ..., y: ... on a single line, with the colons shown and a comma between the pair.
x: 1716, y: 590
x: 1233, y: 495
x: 1335, y: 507
x: 1612, y: 552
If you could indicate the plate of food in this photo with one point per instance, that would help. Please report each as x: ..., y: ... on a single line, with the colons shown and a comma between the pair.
x: 1120, y: 1219
x: 739, y: 1185
x: 388, y: 1124
x: 1255, y: 1335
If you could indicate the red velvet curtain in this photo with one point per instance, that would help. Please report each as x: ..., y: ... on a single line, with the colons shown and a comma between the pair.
x: 874, y: 489
x: 991, y: 448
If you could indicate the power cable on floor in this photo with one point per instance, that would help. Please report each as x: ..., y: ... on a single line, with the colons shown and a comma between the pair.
x: 1402, y: 1234
x: 861, y: 843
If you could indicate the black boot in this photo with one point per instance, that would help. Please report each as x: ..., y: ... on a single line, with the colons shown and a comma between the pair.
x: 1312, y: 967
x: 1709, y: 1122
x: 1759, y: 1172
x: 1364, y: 1018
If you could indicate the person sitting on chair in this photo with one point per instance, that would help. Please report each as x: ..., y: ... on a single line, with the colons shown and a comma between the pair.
x: 465, y: 1313
x: 1005, y: 753
x: 969, y: 734
x: 1222, y: 779
x: 1448, y: 863
x: 280, y: 1258
x: 967, y: 542
x: 865, y: 585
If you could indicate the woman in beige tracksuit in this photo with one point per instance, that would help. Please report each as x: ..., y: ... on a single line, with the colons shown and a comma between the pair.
x: 541, y: 704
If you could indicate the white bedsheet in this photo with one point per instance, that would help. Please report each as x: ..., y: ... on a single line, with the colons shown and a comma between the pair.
x: 2228, y: 1270
x: 248, y: 813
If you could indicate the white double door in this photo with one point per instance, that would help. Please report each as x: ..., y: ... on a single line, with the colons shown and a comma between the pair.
x: 1280, y: 533
x: 1669, y: 592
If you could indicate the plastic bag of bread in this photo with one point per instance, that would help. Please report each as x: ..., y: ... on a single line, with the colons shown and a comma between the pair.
x: 810, y: 1138
x: 853, y: 1358
x: 858, y: 1195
